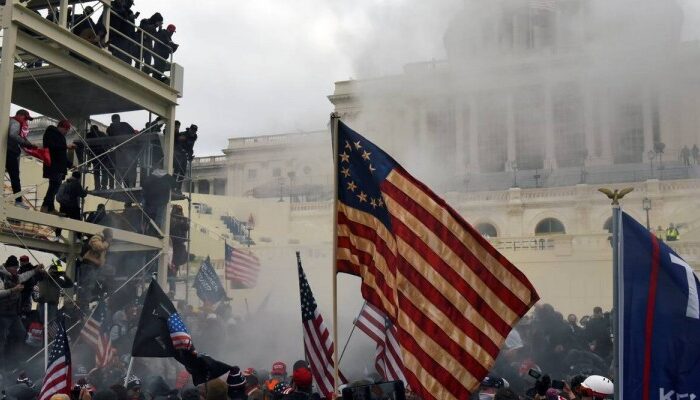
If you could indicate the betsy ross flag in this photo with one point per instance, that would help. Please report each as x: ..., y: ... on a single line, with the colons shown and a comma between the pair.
x: 161, y: 332
x: 242, y: 267
x: 451, y: 295
x: 58, y: 372
x: 661, y: 319
x: 318, y: 342
x: 96, y: 332
x: 388, y: 361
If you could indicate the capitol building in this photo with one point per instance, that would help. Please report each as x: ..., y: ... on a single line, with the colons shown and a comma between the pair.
x: 526, y: 117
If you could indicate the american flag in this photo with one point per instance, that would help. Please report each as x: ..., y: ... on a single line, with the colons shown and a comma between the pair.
x: 318, y: 343
x: 388, y: 361
x: 96, y: 332
x: 242, y: 267
x: 452, y: 297
x: 58, y: 373
x: 178, y: 333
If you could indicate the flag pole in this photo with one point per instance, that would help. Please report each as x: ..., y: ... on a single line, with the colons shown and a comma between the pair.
x: 46, y: 336
x: 128, y: 370
x: 335, y: 117
x: 618, y: 294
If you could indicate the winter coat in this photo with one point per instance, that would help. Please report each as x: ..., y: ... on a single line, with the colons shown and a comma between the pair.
x: 28, y: 287
x: 49, y: 291
x: 164, y: 46
x: 10, y: 302
x: 75, y: 192
x: 156, y: 189
x: 97, y: 250
x: 15, y: 141
x: 55, y: 141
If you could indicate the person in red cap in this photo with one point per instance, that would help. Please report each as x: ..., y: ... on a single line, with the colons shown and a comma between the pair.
x: 17, y: 139
x: 55, y: 141
x: 302, y: 381
x: 163, y: 48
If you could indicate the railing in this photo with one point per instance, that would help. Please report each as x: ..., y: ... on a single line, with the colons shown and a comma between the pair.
x: 272, y: 139
x: 311, y: 206
x: 523, y: 244
x: 209, y: 161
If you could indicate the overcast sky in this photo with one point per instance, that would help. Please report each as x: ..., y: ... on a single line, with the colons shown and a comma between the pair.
x: 266, y: 66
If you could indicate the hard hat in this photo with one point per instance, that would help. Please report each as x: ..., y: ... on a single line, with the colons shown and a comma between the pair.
x: 598, y: 386
x: 170, y: 28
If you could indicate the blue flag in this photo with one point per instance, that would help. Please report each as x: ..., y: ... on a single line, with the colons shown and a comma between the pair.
x: 208, y: 284
x: 661, y: 321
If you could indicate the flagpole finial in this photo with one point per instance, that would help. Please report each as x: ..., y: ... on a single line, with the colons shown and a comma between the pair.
x: 615, y: 195
x: 335, y: 115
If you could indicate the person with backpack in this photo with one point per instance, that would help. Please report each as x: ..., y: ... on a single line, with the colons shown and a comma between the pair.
x: 93, y: 258
x: 68, y: 196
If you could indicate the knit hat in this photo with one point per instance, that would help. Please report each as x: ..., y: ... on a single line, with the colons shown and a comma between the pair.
x: 11, y: 262
x: 24, y: 259
x: 302, y: 377
x: 278, y: 368
x: 133, y: 382
x: 235, y: 380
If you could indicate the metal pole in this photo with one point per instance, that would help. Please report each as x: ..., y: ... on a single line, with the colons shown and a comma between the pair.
x: 335, y: 118
x: 648, y: 227
x: 189, y: 237
x: 618, y: 295
x: 616, y: 300
x: 46, y: 336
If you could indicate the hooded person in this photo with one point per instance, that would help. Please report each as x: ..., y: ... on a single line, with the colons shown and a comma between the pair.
x: 236, y: 384
x: 17, y: 132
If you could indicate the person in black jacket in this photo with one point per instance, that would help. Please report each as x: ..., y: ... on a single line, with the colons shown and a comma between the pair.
x: 100, y: 167
x: 26, y: 295
x: 150, y: 26
x: 164, y: 47
x: 73, y: 191
x: 55, y: 141
x: 125, y: 157
x: 156, y: 194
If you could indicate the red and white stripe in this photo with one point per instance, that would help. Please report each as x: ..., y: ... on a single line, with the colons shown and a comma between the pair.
x: 242, y: 267
x: 388, y: 354
x: 56, y: 379
x: 452, y: 297
x: 318, y: 346
x: 181, y: 340
x: 100, y: 341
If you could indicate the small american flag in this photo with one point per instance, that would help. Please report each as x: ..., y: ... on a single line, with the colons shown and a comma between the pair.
x: 178, y: 333
x: 58, y: 373
x: 242, y: 267
x: 377, y: 326
x: 96, y: 332
x: 318, y: 343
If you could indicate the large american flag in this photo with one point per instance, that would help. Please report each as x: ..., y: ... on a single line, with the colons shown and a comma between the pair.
x: 58, y: 373
x: 242, y: 267
x: 318, y: 342
x: 178, y: 333
x: 452, y: 297
x: 96, y: 332
x: 374, y: 323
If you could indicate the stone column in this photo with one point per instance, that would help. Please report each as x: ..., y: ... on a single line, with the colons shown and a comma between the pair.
x: 589, y: 122
x: 606, y: 154
x: 648, y: 121
x: 460, y: 137
x: 550, y: 159
x: 510, y: 140
x: 473, y: 135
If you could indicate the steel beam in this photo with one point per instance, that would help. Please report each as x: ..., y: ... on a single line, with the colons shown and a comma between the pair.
x: 32, y: 243
x: 121, y: 71
x: 55, y: 221
x: 111, y: 83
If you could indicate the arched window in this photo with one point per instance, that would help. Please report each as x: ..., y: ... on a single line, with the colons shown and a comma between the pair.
x: 608, y: 225
x: 487, y: 230
x: 549, y: 226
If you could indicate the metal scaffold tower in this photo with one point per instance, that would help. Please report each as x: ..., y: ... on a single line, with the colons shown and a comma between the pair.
x: 100, y: 83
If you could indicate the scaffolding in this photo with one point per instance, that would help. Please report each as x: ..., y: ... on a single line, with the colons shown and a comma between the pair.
x: 100, y: 83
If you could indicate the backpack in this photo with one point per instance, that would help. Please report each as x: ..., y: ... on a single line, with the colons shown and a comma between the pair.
x: 63, y: 195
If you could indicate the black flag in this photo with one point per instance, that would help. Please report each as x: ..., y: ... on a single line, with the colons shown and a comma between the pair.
x: 154, y: 337
x: 202, y: 367
x: 208, y: 284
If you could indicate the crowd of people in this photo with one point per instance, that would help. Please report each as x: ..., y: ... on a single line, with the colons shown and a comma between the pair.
x: 113, y: 157
x: 146, y: 45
